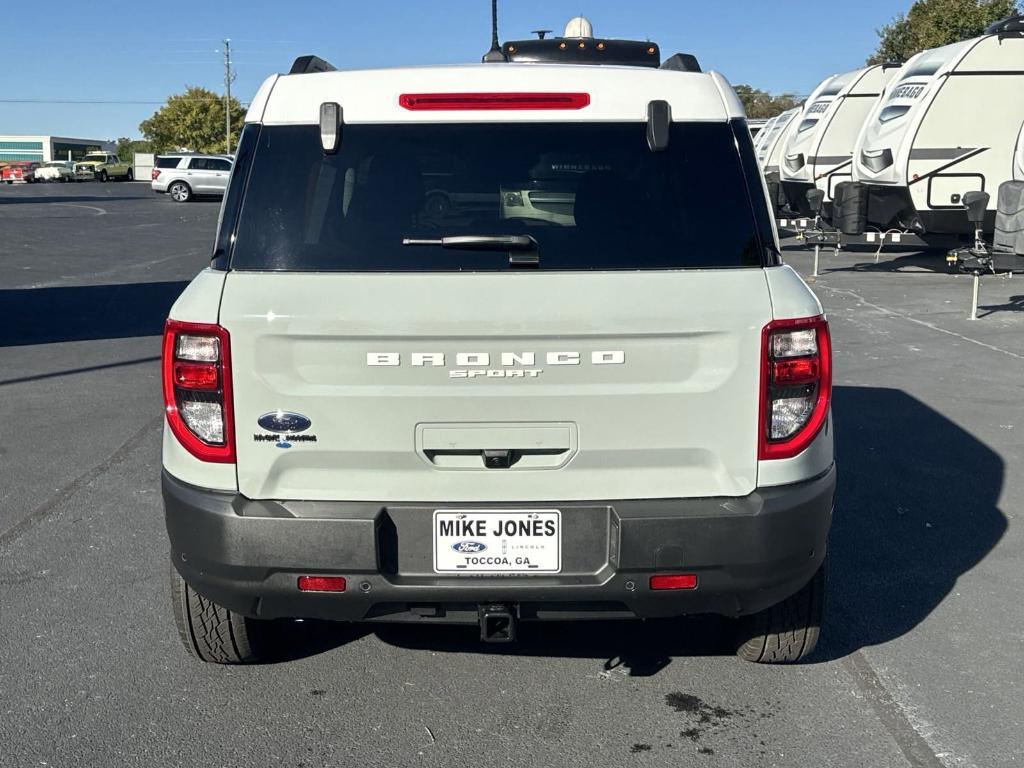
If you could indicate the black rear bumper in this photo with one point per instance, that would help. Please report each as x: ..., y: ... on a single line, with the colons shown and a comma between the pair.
x: 748, y: 553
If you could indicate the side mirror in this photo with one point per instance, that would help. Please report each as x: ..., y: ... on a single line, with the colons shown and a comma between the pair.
x: 815, y: 200
x: 976, y: 204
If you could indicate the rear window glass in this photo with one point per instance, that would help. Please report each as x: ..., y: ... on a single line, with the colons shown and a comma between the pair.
x: 592, y: 195
x: 167, y: 162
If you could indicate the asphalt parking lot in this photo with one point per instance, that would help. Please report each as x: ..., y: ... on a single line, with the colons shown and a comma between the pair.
x: 920, y: 660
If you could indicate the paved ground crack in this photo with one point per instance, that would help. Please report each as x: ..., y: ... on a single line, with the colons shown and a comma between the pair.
x: 44, y: 510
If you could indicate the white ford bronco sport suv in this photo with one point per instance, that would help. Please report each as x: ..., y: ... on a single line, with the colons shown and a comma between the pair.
x: 383, y: 410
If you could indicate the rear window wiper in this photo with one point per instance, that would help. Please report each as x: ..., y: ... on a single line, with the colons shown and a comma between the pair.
x: 522, y: 249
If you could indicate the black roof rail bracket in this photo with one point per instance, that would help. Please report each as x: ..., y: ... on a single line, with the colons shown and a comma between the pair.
x: 305, y: 65
x: 682, y: 62
x: 659, y: 124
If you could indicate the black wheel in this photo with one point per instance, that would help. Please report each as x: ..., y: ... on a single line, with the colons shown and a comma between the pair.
x: 787, y: 632
x: 215, y: 634
x: 103, y: 176
x: 130, y: 175
x: 180, y: 192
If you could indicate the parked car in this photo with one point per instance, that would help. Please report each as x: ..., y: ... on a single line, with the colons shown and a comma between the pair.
x: 185, y: 175
x: 56, y: 170
x: 20, y: 171
x: 381, y: 410
x: 102, y: 166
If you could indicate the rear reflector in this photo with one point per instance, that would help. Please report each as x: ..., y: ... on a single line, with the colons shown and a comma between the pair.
x: 674, y: 581
x: 321, y: 583
x: 460, y: 101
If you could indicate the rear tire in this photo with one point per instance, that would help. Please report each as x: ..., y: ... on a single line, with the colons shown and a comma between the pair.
x: 180, y: 192
x: 130, y: 176
x: 103, y: 176
x: 787, y: 632
x: 212, y: 633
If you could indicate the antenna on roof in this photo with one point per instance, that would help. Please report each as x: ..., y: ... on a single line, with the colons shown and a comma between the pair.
x: 494, y: 55
x: 578, y: 27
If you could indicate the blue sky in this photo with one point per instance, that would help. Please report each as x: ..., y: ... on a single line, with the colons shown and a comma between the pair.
x: 126, y: 51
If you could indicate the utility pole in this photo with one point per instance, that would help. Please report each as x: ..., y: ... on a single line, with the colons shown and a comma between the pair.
x: 229, y: 77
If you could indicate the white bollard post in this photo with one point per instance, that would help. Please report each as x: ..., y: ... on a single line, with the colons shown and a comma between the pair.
x: 817, y: 251
x: 974, y: 297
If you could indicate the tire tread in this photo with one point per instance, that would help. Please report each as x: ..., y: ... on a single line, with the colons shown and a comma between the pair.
x: 787, y: 632
x: 208, y: 631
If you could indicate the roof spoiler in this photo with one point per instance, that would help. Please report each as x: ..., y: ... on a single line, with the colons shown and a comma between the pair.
x: 682, y: 62
x: 305, y: 65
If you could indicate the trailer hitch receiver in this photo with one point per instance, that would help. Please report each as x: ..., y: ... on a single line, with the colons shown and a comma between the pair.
x: 497, y: 623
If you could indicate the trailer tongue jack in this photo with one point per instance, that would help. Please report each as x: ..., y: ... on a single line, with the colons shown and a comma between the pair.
x: 1006, y: 254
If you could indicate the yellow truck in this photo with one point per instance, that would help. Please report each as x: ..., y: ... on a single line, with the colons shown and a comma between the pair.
x: 102, y: 166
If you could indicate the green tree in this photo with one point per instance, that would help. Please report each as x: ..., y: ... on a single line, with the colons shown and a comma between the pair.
x: 126, y: 148
x: 760, y: 103
x: 931, y: 23
x: 193, y: 120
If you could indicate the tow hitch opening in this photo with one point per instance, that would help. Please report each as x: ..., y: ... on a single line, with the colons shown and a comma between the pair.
x: 497, y: 623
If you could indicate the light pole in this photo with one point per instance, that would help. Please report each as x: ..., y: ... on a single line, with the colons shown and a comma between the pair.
x: 229, y: 77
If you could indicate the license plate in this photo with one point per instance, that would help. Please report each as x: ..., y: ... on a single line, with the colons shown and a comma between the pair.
x: 497, y: 541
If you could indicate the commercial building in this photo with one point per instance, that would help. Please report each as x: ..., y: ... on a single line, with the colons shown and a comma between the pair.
x: 45, y: 148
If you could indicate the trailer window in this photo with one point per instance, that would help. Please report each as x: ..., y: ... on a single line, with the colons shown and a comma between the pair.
x: 891, y: 113
x: 593, y: 196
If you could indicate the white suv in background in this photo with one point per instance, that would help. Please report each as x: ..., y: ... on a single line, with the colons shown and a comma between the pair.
x: 184, y: 176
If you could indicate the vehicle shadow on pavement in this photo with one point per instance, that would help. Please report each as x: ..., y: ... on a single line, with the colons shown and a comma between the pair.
x: 862, y: 259
x: 85, y: 312
x: 43, y: 199
x: 632, y: 648
x: 916, y: 507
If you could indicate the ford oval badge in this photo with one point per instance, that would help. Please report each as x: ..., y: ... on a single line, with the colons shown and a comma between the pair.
x: 284, y: 421
x: 469, y: 547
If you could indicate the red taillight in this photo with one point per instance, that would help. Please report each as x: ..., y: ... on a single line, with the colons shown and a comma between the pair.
x: 796, y: 385
x: 195, y: 375
x: 674, y: 581
x: 322, y: 583
x: 459, y: 101
x: 154, y: 174
x: 805, y: 370
x: 197, y: 389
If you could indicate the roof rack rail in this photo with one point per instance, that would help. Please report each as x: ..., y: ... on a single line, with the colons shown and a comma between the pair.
x: 682, y: 62
x: 1014, y: 25
x: 305, y: 65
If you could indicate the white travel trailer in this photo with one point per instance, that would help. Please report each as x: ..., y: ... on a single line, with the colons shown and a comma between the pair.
x: 768, y: 150
x: 762, y: 133
x: 947, y: 124
x: 820, y: 152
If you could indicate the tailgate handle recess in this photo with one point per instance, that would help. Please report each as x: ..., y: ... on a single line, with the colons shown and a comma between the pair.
x: 496, y: 446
